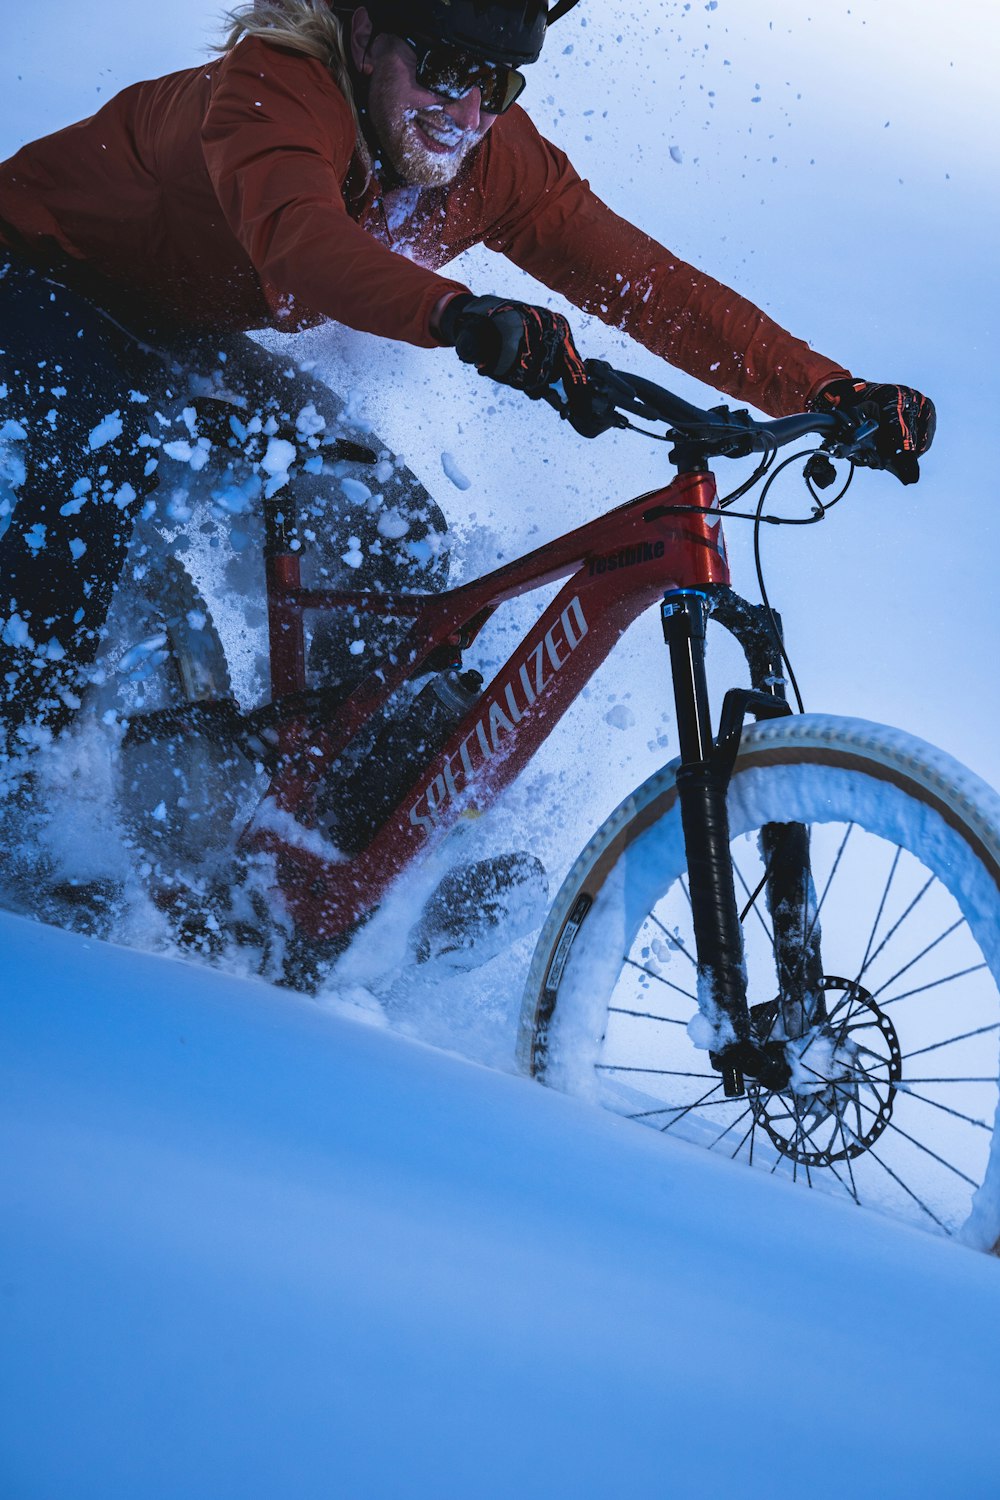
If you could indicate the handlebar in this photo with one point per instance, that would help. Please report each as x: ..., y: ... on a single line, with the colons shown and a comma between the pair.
x: 718, y: 432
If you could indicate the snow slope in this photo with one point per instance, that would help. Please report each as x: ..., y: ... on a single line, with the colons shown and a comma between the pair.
x: 250, y: 1248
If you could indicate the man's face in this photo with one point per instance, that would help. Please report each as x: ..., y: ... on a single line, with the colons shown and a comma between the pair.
x: 424, y: 138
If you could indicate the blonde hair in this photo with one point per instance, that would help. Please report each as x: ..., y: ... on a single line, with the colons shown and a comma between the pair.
x: 308, y: 26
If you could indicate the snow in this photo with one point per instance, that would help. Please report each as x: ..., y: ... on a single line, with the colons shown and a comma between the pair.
x: 263, y: 1249
x: 252, y: 1246
x: 452, y: 469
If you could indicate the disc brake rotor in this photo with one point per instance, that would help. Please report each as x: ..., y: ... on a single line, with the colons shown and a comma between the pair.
x: 844, y: 1076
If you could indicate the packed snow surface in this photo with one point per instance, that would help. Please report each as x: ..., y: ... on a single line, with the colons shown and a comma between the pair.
x: 263, y: 1249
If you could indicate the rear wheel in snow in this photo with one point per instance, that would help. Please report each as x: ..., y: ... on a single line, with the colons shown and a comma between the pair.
x: 184, y: 785
x: 892, y: 1103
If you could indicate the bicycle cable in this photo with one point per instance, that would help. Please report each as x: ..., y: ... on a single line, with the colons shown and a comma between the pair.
x: 819, y: 514
x: 759, y: 519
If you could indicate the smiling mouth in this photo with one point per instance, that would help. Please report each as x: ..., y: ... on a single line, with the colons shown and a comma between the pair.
x: 445, y: 141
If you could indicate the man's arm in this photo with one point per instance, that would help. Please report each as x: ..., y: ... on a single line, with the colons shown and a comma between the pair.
x: 550, y: 223
x: 278, y: 138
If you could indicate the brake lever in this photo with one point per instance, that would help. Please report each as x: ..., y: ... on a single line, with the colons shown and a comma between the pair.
x: 593, y: 409
x: 855, y: 442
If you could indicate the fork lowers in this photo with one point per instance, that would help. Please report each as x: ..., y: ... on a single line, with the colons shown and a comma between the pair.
x: 702, y: 781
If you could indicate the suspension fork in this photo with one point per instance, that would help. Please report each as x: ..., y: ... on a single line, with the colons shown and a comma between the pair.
x: 701, y: 791
x: 702, y: 784
x: 784, y: 847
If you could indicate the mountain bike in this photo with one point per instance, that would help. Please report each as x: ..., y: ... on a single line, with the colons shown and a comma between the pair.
x: 783, y: 946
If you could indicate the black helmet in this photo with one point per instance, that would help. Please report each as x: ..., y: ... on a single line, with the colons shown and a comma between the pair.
x: 499, y: 31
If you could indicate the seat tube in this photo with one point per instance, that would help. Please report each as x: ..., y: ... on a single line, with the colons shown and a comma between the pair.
x: 701, y: 790
x: 283, y: 571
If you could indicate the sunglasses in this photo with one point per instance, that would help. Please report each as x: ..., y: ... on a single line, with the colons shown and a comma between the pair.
x: 452, y: 73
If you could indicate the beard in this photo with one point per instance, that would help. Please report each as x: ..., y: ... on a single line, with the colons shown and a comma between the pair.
x: 400, y: 133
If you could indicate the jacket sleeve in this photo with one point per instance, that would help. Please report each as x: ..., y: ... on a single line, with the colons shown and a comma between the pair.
x: 278, y: 138
x: 557, y: 229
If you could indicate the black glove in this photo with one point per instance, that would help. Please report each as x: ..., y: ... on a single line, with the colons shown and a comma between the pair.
x: 527, y: 347
x: 905, y: 423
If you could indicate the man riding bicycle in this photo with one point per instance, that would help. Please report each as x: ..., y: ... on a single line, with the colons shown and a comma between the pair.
x: 327, y: 165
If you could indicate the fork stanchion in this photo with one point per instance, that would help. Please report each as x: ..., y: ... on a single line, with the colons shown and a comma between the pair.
x: 701, y: 791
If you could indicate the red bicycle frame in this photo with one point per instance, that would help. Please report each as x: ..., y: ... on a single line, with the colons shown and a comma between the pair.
x: 615, y: 566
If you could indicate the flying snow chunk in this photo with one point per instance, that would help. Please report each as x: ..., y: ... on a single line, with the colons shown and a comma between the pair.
x: 309, y: 422
x: 107, y: 429
x: 454, y: 473
x: 392, y: 525
x: 620, y: 717
x: 195, y: 455
x: 278, y: 459
x: 16, y: 633
x: 355, y: 490
x: 353, y: 557
x: 676, y: 154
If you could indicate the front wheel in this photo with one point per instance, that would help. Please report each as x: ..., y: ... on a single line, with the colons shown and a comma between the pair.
x: 892, y: 1100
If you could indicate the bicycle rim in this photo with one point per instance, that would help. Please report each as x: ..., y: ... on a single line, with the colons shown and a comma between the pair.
x: 894, y: 1106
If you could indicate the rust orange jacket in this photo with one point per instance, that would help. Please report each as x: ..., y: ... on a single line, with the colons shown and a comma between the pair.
x: 233, y: 196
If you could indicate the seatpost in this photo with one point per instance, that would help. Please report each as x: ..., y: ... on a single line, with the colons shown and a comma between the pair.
x: 701, y: 790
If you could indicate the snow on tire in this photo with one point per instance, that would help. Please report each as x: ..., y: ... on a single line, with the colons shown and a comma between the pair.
x: 896, y: 1108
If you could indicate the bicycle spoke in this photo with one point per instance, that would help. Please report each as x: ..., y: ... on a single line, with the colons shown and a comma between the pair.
x: 801, y: 1136
x: 881, y: 908
x: 891, y: 1125
x: 964, y: 1037
x: 682, y: 1109
x: 847, y: 1159
x: 906, y: 1189
x: 969, y: 1120
x: 731, y: 1126
x: 934, y: 983
x: 829, y: 881
x: 668, y: 982
x: 922, y: 954
x: 990, y: 1079
x: 896, y: 926
x: 645, y: 1015
x: 660, y: 1072
x: 777, y: 1115
x: 752, y: 901
x: 673, y: 939
x: 698, y: 1103
x: 746, y: 1136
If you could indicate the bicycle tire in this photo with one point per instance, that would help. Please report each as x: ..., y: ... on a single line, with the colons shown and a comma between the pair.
x: 608, y: 936
x: 162, y: 649
x: 183, y: 795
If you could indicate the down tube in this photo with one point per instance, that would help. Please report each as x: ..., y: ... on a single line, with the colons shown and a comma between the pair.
x: 522, y: 705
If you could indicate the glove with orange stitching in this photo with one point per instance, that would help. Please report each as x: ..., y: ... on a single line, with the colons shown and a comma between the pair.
x: 518, y: 344
x: 905, y: 423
